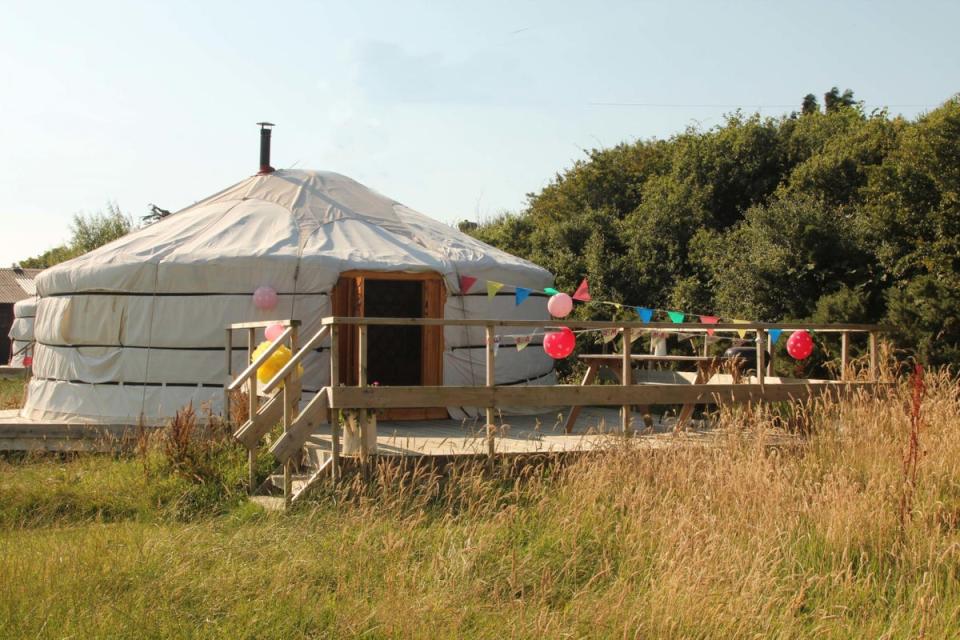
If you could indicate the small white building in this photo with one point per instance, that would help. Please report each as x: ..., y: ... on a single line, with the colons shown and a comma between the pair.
x: 16, y: 314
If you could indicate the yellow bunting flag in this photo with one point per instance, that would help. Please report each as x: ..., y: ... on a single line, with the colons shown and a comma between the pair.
x: 523, y: 341
x: 609, y: 334
x: 741, y: 332
x: 493, y: 287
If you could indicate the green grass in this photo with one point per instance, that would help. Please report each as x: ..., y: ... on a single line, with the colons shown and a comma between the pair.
x: 11, y: 392
x: 733, y: 541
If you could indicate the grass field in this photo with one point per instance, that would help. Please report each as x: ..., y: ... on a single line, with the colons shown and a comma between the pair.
x: 831, y: 539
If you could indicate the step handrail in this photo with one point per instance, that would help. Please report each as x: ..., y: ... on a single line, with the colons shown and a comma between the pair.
x: 291, y: 364
x: 253, y: 366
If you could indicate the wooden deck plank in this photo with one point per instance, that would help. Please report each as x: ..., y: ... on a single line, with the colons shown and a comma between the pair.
x: 600, y: 395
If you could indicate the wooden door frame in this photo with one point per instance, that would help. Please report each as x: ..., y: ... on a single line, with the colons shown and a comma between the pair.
x: 347, y: 300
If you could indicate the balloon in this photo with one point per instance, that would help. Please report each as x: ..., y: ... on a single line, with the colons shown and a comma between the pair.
x: 559, y: 344
x: 274, y: 363
x: 560, y: 305
x: 27, y: 361
x: 273, y: 332
x: 800, y: 345
x: 265, y: 298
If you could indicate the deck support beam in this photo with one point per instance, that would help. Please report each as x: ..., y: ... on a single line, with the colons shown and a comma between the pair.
x: 251, y: 411
x: 363, y: 416
x: 333, y: 415
x: 491, y: 382
x: 844, y: 355
x: 761, y: 340
x: 626, y: 379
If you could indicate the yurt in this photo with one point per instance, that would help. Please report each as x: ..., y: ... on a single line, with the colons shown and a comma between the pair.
x: 136, y: 329
x: 21, y: 332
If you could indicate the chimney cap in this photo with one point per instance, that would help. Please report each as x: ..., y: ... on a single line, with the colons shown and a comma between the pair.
x: 265, y: 132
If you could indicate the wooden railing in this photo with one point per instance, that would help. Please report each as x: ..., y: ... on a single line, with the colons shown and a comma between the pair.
x: 361, y: 399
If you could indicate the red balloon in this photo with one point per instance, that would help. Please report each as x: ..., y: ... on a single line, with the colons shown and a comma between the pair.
x: 559, y: 344
x: 800, y: 345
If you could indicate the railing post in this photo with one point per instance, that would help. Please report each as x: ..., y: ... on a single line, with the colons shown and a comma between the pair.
x: 228, y: 351
x: 333, y: 415
x: 291, y: 398
x: 626, y: 379
x: 873, y: 357
x: 491, y: 382
x: 252, y: 411
x: 286, y: 427
x: 844, y: 354
x: 770, y: 353
x: 761, y: 352
x: 252, y: 398
x: 363, y: 424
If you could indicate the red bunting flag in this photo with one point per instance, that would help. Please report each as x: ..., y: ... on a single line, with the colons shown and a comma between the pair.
x: 583, y: 292
x: 466, y: 282
x: 709, y: 320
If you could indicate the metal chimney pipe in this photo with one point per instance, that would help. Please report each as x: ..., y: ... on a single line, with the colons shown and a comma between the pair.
x: 265, y: 167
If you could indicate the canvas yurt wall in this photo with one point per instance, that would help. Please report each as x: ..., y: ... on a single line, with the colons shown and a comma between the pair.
x: 21, y: 331
x: 136, y: 327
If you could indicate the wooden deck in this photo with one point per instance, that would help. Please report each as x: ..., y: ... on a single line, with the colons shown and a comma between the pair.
x: 597, y: 427
x: 21, y: 434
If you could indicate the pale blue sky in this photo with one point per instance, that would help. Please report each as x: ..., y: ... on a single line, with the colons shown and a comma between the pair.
x: 455, y: 109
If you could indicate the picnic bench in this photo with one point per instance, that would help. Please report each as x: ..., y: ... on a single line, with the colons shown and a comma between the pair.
x: 706, y: 367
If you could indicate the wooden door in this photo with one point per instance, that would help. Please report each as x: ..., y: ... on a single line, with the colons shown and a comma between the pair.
x: 415, y: 359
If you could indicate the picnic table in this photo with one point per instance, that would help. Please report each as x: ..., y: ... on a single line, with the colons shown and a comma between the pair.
x: 706, y: 367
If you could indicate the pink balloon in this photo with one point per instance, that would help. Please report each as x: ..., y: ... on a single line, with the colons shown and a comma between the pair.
x: 560, y: 305
x: 265, y: 298
x: 273, y: 332
x: 559, y: 344
x: 800, y: 345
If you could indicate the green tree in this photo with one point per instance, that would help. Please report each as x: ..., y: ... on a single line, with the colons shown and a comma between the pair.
x: 834, y: 100
x: 782, y: 259
x: 87, y: 232
x: 833, y: 216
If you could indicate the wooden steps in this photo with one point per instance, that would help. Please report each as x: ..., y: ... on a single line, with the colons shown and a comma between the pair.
x: 315, y: 464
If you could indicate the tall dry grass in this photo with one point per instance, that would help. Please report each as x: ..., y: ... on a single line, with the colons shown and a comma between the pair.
x: 756, y: 535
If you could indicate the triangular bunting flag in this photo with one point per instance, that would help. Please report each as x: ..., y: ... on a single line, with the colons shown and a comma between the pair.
x: 521, y: 294
x: 741, y: 332
x: 466, y: 282
x: 609, y: 334
x: 583, y: 292
x: 523, y: 341
x: 550, y: 291
x: 496, y: 344
x: 774, y: 335
x: 676, y: 316
x: 709, y: 320
x: 646, y: 315
x: 493, y: 287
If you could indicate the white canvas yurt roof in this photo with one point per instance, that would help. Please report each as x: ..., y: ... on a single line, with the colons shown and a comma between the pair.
x: 136, y: 327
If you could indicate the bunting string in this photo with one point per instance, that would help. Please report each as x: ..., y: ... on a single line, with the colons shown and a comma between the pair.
x: 582, y: 294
